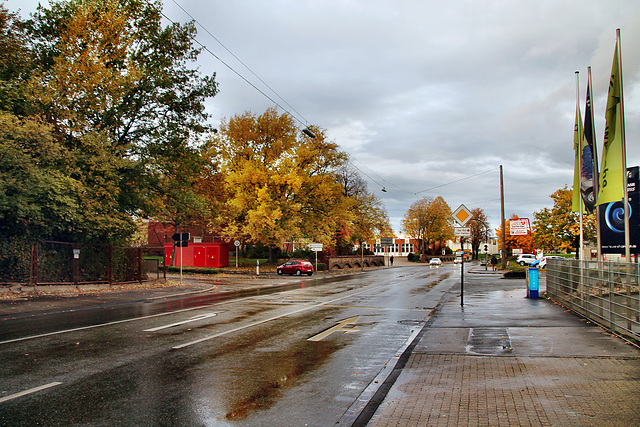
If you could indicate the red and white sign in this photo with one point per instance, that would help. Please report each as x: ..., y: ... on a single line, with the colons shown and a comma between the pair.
x: 519, y: 227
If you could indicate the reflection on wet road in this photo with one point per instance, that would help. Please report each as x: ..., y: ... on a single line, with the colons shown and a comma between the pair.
x: 284, y: 357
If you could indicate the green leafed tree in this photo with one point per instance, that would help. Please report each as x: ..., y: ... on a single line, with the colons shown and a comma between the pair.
x: 37, y: 197
x: 15, y: 63
x: 125, y: 103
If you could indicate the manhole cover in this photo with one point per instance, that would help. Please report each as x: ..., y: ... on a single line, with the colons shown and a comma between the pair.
x: 411, y: 322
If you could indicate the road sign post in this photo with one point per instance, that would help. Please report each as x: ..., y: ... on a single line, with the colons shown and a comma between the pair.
x: 386, y: 242
x: 462, y: 215
x: 182, y: 240
x: 316, y: 247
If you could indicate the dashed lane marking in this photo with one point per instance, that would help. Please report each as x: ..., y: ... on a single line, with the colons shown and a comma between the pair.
x: 30, y: 391
x: 191, y: 319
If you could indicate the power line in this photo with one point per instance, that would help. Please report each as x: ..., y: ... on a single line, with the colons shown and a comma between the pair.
x: 205, y: 48
x: 453, y: 182
x: 239, y: 60
x: 304, y: 121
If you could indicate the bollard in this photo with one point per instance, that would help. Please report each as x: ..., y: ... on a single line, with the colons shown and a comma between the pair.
x: 534, y: 283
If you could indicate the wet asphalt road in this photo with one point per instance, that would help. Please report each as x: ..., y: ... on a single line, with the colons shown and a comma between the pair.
x: 295, y: 357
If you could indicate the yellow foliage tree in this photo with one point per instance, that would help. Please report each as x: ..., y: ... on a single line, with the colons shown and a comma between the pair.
x: 280, y: 184
x: 558, y: 228
x: 428, y: 220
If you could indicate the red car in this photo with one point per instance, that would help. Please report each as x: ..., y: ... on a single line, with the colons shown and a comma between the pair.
x: 297, y: 267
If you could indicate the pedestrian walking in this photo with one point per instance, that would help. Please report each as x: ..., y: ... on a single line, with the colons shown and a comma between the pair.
x: 494, y: 262
x: 391, y: 261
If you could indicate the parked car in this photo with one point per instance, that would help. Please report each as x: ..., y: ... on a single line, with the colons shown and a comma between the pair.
x: 295, y: 266
x: 435, y: 261
x: 526, y: 259
x: 543, y: 261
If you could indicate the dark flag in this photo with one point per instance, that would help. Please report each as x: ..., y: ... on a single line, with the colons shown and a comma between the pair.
x: 589, y: 169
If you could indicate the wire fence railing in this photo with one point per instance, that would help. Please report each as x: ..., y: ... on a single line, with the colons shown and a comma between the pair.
x: 604, y: 292
x: 39, y: 262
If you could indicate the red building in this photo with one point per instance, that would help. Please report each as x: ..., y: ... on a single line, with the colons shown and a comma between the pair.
x: 214, y: 255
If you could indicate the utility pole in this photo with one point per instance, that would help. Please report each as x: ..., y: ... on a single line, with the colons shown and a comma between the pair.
x: 502, y: 230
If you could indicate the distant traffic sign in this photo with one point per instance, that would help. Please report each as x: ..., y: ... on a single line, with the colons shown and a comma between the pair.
x: 315, y: 247
x: 386, y: 241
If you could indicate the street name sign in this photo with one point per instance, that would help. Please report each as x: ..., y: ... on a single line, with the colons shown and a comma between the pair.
x: 315, y: 247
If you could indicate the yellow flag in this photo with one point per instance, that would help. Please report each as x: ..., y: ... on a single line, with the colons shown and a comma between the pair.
x: 612, y: 171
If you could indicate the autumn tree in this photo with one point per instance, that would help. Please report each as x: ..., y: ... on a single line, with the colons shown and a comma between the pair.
x: 121, y: 99
x: 369, y: 219
x: 429, y: 221
x: 558, y: 228
x: 280, y: 184
x: 480, y: 230
x: 524, y: 242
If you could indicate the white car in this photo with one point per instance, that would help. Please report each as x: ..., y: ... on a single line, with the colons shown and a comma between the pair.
x: 435, y: 261
x: 526, y: 259
x: 543, y: 261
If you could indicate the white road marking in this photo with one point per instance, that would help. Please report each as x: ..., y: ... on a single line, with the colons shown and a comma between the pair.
x: 48, y: 334
x: 341, y: 326
x: 192, y: 319
x: 30, y: 391
x: 210, y: 337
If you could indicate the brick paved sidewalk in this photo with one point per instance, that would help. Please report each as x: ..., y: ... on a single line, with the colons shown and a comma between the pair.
x: 506, y: 360
x: 465, y: 390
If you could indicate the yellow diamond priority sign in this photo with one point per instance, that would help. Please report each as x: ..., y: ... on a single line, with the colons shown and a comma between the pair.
x: 462, y: 215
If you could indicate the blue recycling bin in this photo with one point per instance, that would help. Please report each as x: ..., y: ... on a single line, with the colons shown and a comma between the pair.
x: 534, y: 283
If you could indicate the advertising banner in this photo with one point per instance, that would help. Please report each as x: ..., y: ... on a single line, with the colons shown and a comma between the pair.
x: 612, y: 219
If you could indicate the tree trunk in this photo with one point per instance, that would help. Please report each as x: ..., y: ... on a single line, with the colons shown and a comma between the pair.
x: 274, y: 254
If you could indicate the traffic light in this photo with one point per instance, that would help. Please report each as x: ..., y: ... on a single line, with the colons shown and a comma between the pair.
x: 486, y: 248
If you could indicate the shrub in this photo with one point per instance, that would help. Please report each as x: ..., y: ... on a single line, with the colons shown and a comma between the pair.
x: 515, y: 274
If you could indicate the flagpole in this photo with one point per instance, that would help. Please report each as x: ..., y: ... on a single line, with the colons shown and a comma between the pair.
x: 579, y: 164
x: 594, y: 152
x: 627, y: 243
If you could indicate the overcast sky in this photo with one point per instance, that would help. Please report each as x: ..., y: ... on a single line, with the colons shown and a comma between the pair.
x: 429, y: 98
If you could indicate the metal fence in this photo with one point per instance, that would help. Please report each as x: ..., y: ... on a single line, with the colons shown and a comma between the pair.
x: 604, y: 292
x: 46, y: 262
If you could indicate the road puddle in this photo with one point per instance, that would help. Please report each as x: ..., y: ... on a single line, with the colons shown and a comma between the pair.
x: 273, y: 373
